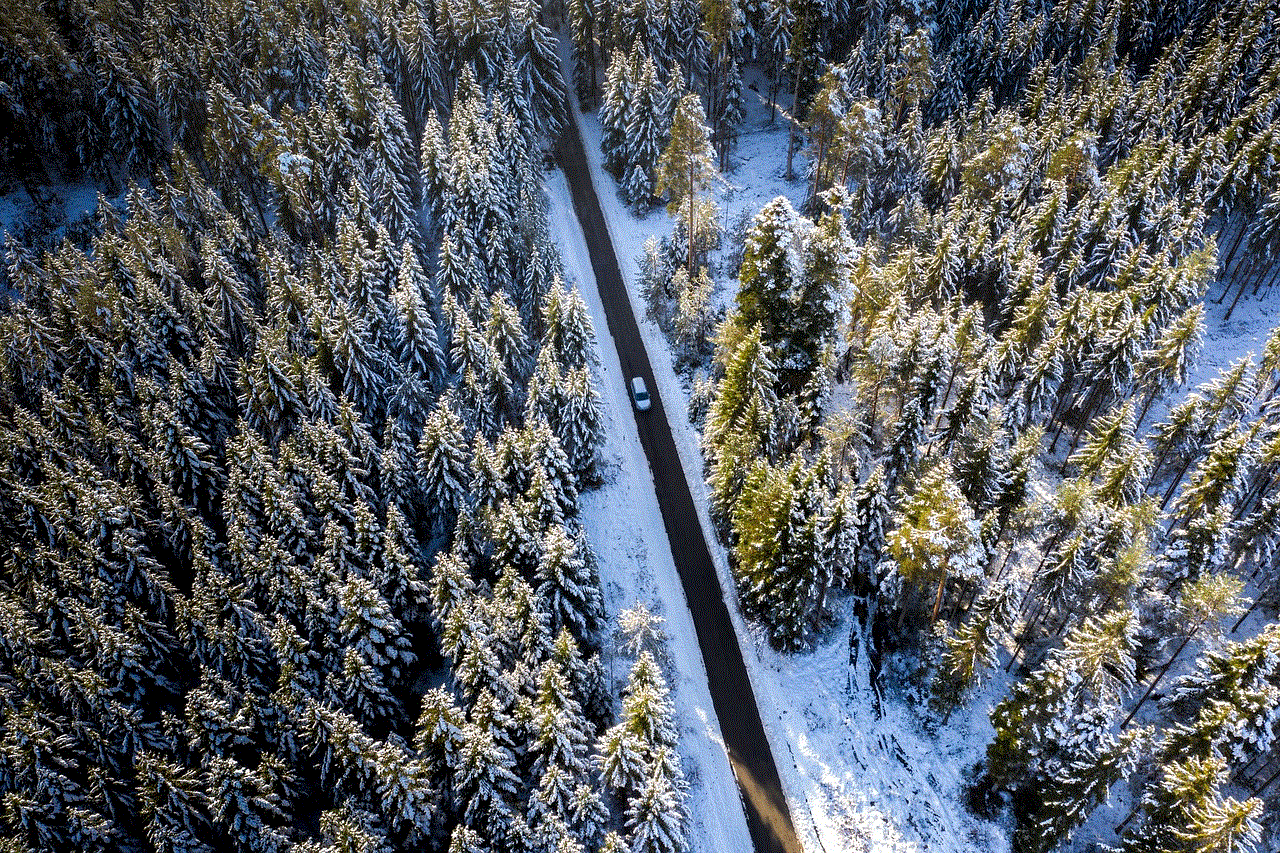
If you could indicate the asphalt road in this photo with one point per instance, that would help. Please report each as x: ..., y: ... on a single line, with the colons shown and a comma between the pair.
x: 768, y: 818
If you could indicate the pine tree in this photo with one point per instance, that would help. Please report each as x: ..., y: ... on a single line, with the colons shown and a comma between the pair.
x: 487, y: 786
x: 655, y: 817
x: 505, y: 335
x: 419, y: 344
x: 1205, y: 601
x: 175, y: 805
x: 568, y: 333
x: 694, y: 319
x: 568, y: 584
x: 936, y: 537
x: 791, y: 275
x: 435, y: 167
x: 784, y: 573
x: 370, y: 628
x: 583, y: 23
x: 740, y: 424
x: 1219, y: 700
x: 645, y: 729
x: 1185, y: 811
x: 1167, y: 362
x: 613, y: 111
x: 969, y: 651
x: 687, y: 168
x: 1080, y: 784
x: 724, y: 26
x: 1034, y: 725
x: 443, y: 465
x: 645, y: 135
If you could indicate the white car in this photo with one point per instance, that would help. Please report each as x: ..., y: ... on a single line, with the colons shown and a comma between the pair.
x: 639, y: 394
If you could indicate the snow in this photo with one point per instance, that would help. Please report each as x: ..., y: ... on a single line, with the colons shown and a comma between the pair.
x: 289, y: 163
x: 1225, y: 341
x: 636, y: 566
x: 67, y: 203
x: 855, y: 779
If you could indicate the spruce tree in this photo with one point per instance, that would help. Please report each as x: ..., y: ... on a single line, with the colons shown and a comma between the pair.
x: 784, y: 571
x: 646, y: 134
x: 935, y: 539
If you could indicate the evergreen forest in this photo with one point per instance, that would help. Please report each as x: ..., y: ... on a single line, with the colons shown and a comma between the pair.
x: 296, y: 421
x: 294, y: 430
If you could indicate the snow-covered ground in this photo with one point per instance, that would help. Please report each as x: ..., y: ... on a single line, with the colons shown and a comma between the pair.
x: 855, y: 779
x: 1226, y: 341
x: 67, y: 203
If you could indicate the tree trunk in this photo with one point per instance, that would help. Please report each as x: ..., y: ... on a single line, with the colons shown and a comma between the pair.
x: 1263, y: 269
x: 1032, y: 624
x: 690, y: 228
x: 946, y: 395
x: 1257, y: 600
x: 1066, y: 393
x: 795, y: 117
x: 1230, y: 280
x: 1239, y: 293
x: 1133, y: 812
x: 1160, y: 675
x: 1260, y: 788
x: 818, y: 166
x: 1275, y: 277
x: 937, y: 602
x: 907, y: 604
x: 1142, y: 415
x: 1231, y: 256
x: 1257, y: 493
x: 1086, y: 415
x: 1173, y: 485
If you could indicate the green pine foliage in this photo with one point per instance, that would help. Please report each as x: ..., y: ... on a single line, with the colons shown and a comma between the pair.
x: 783, y: 551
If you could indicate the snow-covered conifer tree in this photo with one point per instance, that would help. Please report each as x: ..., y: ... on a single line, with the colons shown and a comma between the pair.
x: 686, y: 168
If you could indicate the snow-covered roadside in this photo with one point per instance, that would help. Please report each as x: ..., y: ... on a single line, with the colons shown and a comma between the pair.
x: 624, y: 526
x: 855, y: 781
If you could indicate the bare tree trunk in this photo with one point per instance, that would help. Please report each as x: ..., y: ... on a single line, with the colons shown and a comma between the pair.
x: 1133, y: 812
x: 1263, y: 270
x: 690, y: 228
x: 1262, y: 593
x: 1260, y: 788
x: 1160, y: 675
x: 946, y: 395
x: 1066, y: 393
x: 1090, y: 404
x: 1257, y: 493
x: 937, y: 602
x: 1174, y: 483
x: 1146, y: 407
x: 1028, y: 631
x: 1239, y: 293
x: 795, y: 117
x: 1275, y: 277
x: 1240, y: 235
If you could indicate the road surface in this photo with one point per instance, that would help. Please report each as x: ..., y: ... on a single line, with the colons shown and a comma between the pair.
x: 768, y: 819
